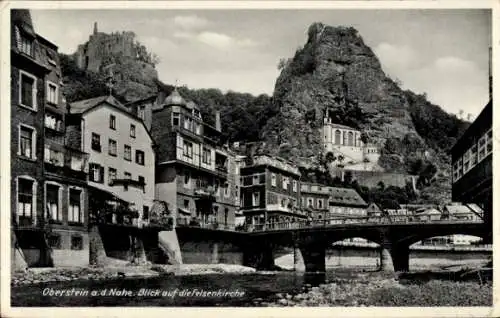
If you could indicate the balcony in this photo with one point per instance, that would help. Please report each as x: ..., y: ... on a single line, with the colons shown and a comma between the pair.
x: 65, y: 161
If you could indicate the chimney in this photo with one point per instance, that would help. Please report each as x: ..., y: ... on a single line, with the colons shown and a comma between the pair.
x: 490, y: 79
x: 217, y: 121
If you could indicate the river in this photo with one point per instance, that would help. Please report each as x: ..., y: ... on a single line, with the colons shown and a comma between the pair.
x: 210, y: 290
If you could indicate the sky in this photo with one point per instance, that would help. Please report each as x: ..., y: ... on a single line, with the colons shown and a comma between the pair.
x: 443, y: 53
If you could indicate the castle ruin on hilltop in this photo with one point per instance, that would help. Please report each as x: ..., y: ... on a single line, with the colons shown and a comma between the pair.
x: 96, y: 52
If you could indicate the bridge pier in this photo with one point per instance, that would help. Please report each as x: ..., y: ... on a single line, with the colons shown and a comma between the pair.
x: 259, y: 256
x: 314, y: 257
x: 401, y: 258
x: 298, y: 260
x: 394, y: 258
x: 386, y: 264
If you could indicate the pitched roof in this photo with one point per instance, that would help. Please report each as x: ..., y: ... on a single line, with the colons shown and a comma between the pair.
x: 82, y: 106
x: 345, y: 196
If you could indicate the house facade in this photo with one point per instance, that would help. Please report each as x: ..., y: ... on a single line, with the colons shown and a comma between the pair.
x: 314, y: 198
x: 48, y: 168
x: 270, y: 191
x: 193, y: 168
x: 121, y: 153
x: 346, y: 203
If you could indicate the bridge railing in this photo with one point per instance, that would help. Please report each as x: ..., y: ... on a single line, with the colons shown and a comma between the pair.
x: 355, y: 220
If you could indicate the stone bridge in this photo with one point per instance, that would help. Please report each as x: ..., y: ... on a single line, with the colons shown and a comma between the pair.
x: 310, y: 242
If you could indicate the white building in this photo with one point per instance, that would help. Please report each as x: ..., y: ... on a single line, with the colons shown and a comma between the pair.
x: 346, y: 141
x: 121, y: 155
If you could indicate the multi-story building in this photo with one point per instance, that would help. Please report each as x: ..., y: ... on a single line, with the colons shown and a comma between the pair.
x: 49, y: 195
x: 472, y: 164
x: 143, y: 108
x: 121, y: 152
x: 314, y: 198
x: 346, y: 203
x: 193, y: 168
x: 270, y: 191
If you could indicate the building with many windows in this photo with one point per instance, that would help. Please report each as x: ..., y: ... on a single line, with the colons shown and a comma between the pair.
x: 472, y: 162
x: 121, y: 153
x: 48, y: 166
x: 315, y: 198
x: 270, y: 191
x: 346, y: 203
x: 193, y: 168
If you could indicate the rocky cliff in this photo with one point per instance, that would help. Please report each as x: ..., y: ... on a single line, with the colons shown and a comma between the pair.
x: 336, y: 73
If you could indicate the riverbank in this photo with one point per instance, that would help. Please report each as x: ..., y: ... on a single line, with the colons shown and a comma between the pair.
x: 384, y: 290
x: 33, y: 276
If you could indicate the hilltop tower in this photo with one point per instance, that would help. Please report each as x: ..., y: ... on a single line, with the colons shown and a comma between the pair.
x: 95, y: 28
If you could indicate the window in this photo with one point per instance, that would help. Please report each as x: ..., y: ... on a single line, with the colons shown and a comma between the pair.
x: 294, y: 185
x: 273, y: 179
x: 127, y: 155
x: 111, y: 175
x: 285, y: 183
x: 75, y: 212
x: 226, y: 214
x: 175, y: 119
x: 310, y: 203
x: 188, y: 123
x: 187, y: 179
x: 283, y: 203
x: 142, y: 182
x: 197, y: 128
x: 51, y: 93
x: 96, y: 142
x: 27, y: 90
x: 112, y: 147
x: 145, y: 212
x: 188, y: 149
x: 52, y: 201
x: 25, y: 200
x: 337, y: 137
x: 132, y: 130
x: 206, y: 156
x: 320, y: 203
x: 217, y: 188
x: 112, y: 122
x: 27, y: 141
x: 54, y: 241
x: 141, y: 112
x: 96, y: 173
x: 139, y: 157
x: 226, y: 189
x: 256, y: 199
x: 24, y: 42
x: 76, y: 242
x: 186, y: 204
x: 127, y: 175
x: 473, y: 155
x: 256, y: 179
